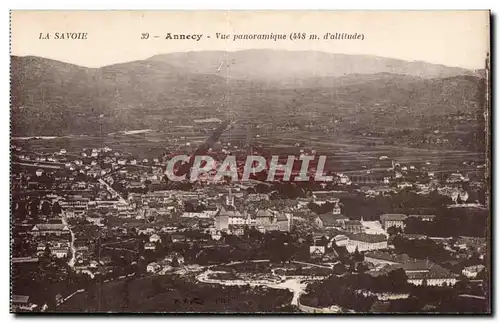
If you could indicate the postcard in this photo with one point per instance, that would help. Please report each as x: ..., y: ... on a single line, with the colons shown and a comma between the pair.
x: 244, y: 162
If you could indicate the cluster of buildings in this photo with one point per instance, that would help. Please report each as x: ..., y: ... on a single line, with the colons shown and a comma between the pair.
x: 105, y: 194
x: 419, y: 272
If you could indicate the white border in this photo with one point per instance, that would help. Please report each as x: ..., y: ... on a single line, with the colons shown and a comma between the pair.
x: 185, y: 4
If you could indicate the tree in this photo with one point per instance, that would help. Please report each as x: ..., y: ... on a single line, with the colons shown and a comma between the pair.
x: 175, y: 261
x: 362, y: 267
x: 398, y: 278
x: 47, y: 252
x: 46, y: 208
x: 357, y: 256
x: 21, y: 211
x: 34, y: 204
x: 339, y: 269
x: 56, y: 208
x: 393, y: 230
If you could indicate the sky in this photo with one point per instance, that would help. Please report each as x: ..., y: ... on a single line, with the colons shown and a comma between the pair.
x: 453, y: 38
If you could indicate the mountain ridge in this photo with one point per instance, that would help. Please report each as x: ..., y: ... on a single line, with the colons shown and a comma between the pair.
x: 51, y: 97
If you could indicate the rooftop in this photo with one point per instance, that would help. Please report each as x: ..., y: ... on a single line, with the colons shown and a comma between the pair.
x: 392, y: 217
x: 371, y: 238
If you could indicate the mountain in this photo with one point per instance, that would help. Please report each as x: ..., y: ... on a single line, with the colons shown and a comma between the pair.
x: 274, y: 65
x: 49, y: 97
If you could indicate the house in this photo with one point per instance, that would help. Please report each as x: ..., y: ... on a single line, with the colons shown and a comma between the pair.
x: 221, y: 222
x: 215, y: 235
x: 365, y: 242
x: 472, y: 271
x: 263, y: 218
x: 392, y: 220
x: 330, y: 220
x: 95, y: 219
x: 136, y: 185
x: 456, y: 177
x: 330, y: 256
x: 60, y: 252
x: 149, y: 246
x: 353, y: 226
x: 474, y: 243
x: 153, y: 267
x: 283, y: 222
x: 145, y: 231
x: 423, y: 217
x: 154, y: 238
x: 20, y: 303
x: 322, y: 197
x: 382, y: 258
x: 237, y: 230
x: 48, y: 229
x: 233, y: 216
x: 174, y: 255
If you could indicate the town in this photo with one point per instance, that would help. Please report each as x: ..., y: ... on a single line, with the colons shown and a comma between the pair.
x: 101, y: 229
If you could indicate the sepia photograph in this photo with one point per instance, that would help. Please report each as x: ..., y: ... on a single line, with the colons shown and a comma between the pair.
x: 250, y: 162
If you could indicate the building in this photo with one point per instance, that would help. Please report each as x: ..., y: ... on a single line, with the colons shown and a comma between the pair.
x: 425, y: 272
x: 50, y: 229
x: 21, y: 303
x: 228, y: 215
x: 433, y: 276
x: 174, y: 255
x: 154, y: 238
x: 236, y: 229
x: 353, y: 226
x: 322, y: 197
x: 472, y: 271
x: 221, y: 222
x: 95, y: 219
x: 392, y: 220
x: 263, y: 218
x: 316, y: 251
x: 330, y: 220
x: 149, y: 246
x: 283, y: 222
x: 257, y: 197
x: 153, y: 267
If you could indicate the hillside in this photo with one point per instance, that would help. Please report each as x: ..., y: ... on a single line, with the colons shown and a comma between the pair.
x: 50, y: 97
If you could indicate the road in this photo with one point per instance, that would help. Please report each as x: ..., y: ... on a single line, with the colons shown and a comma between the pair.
x: 310, y: 264
x: 71, y: 262
x: 112, y: 191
